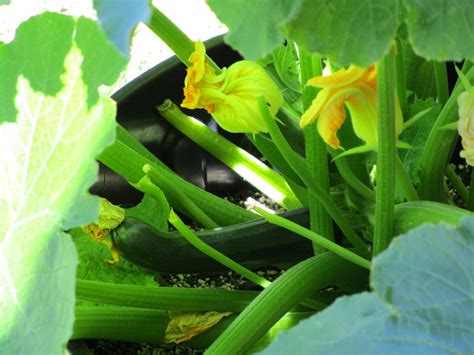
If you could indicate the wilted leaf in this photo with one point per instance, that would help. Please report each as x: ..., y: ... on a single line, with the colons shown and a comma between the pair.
x: 183, y: 326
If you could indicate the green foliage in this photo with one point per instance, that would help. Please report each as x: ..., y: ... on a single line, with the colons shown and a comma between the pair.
x: 119, y: 18
x: 348, y: 32
x: 421, y: 301
x: 152, y: 211
x: 92, y: 265
x: 49, y: 138
x: 259, y: 31
x: 440, y: 30
x: 417, y: 135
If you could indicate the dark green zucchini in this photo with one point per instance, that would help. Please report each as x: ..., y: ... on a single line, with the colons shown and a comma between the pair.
x: 252, y: 244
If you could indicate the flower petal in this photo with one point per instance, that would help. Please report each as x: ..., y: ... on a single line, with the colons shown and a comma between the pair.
x: 316, y: 107
x: 343, y: 77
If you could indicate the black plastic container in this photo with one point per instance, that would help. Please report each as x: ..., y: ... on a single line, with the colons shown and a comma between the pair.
x: 136, y: 111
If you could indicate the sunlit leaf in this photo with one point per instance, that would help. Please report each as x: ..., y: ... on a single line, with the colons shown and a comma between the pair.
x: 49, y: 139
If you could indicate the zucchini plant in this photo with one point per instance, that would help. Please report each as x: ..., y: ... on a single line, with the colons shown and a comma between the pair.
x: 360, y: 118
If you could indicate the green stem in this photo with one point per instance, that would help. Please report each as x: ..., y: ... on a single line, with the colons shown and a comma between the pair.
x: 194, y: 211
x: 127, y: 156
x: 315, y: 238
x: 315, y: 151
x: 439, y: 147
x: 400, y: 75
x: 213, y: 253
x: 169, y: 298
x: 351, y: 178
x: 323, y: 197
x: 386, y: 155
x: 174, y: 38
x: 470, y: 199
x: 457, y: 183
x: 442, y: 87
x: 250, y: 168
x: 404, y: 181
x: 120, y: 323
x: 269, y: 306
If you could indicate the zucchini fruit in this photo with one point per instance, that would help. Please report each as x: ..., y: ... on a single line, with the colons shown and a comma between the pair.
x: 251, y: 244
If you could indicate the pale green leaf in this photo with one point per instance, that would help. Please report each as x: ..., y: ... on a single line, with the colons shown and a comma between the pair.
x: 422, y: 302
x: 441, y: 30
x: 48, y: 144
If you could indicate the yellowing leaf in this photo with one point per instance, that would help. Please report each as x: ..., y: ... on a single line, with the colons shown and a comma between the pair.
x: 184, y: 326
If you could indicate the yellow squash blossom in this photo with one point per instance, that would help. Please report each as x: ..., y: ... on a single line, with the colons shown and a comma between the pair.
x: 231, y: 95
x: 466, y: 124
x: 355, y: 88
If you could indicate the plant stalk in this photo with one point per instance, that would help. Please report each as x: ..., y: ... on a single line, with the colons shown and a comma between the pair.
x: 298, y: 166
x: 386, y: 155
x: 315, y: 151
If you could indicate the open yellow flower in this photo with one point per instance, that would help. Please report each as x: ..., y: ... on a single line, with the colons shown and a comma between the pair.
x: 466, y: 124
x: 355, y: 88
x: 231, y: 95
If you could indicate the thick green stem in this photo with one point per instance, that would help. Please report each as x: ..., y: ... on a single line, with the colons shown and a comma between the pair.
x: 120, y: 323
x: 400, y: 75
x: 194, y: 211
x: 213, y: 253
x: 298, y: 166
x: 174, y: 38
x: 386, y: 155
x: 168, y: 298
x: 250, y: 168
x: 457, y: 183
x: 441, y: 76
x: 309, y: 276
x: 315, y: 151
x: 404, y: 181
x: 439, y: 147
x: 127, y: 156
x: 315, y: 238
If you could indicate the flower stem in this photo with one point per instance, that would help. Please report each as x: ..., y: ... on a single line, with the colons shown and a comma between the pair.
x: 439, y: 147
x: 315, y: 238
x: 404, y: 181
x: 470, y: 199
x: 315, y: 151
x: 442, y: 87
x: 386, y: 155
x: 174, y: 38
x: 213, y: 253
x: 299, y: 167
x: 400, y: 75
x: 457, y: 183
x: 250, y: 168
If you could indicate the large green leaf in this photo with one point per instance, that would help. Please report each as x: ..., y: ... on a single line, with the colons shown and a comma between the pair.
x: 422, y: 302
x: 50, y: 133
x: 357, y: 32
x: 119, y: 18
x: 255, y: 27
x: 441, y: 30
x: 348, y: 32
